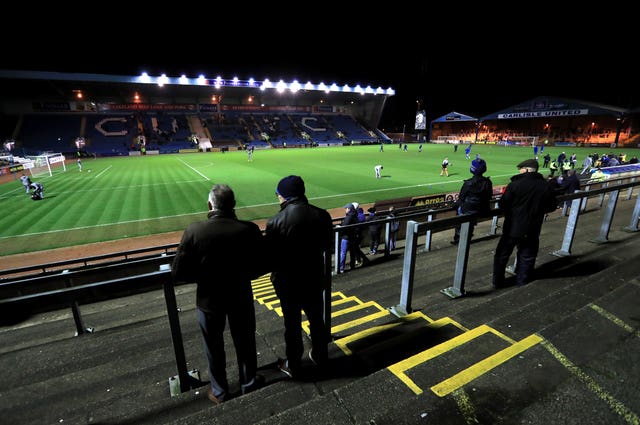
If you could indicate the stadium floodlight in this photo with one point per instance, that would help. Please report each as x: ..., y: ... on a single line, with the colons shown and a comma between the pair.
x: 9, y: 144
x: 162, y: 80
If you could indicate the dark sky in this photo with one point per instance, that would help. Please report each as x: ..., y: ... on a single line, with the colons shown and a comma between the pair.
x: 472, y: 72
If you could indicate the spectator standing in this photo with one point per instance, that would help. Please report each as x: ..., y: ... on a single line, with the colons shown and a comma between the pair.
x: 299, y: 238
x: 213, y: 254
x: 445, y: 165
x: 475, y: 195
x: 570, y: 183
x: 561, y: 158
x: 394, y: 227
x: 361, y: 258
x: 526, y: 200
x: 374, y: 230
x: 26, y: 182
x: 349, y: 239
x: 587, y: 163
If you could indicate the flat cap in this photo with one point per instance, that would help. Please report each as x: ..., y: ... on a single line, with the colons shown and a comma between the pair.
x: 529, y: 163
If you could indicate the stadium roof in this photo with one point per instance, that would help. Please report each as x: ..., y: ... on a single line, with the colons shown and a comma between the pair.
x: 454, y: 116
x: 550, y: 107
x: 63, y: 84
x: 363, y: 102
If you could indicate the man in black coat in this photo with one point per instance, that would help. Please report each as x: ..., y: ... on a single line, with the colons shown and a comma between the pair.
x: 526, y: 200
x: 299, y: 240
x: 570, y: 183
x: 213, y: 253
x: 475, y: 195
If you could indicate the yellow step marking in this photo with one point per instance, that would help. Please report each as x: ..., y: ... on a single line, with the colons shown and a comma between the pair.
x: 401, y: 367
x: 615, y: 319
x: 484, y: 366
x: 623, y: 411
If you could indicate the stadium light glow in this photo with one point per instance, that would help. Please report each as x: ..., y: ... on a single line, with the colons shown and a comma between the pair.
x: 281, y: 86
x: 162, y: 80
x: 295, y: 86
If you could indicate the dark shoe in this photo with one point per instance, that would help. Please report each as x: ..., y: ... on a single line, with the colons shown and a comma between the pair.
x: 454, y: 242
x: 257, y: 383
x: 283, y: 365
x: 215, y: 400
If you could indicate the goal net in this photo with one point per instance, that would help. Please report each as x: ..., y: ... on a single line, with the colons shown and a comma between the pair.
x: 522, y: 140
x: 47, y: 164
x: 449, y: 139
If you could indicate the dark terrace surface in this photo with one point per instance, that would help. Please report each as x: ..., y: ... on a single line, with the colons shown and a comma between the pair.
x: 561, y: 350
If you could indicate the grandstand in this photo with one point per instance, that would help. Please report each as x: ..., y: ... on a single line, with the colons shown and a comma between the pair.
x: 124, y: 115
x: 548, y: 120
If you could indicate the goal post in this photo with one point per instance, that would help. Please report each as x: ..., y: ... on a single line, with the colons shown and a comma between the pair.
x: 522, y: 140
x: 47, y: 164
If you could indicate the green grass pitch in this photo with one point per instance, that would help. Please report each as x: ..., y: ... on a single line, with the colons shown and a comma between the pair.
x: 135, y: 196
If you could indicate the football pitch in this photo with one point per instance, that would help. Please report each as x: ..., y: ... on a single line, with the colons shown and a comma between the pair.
x: 120, y: 197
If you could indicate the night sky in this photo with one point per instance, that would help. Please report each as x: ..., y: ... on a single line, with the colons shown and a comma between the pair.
x: 474, y: 73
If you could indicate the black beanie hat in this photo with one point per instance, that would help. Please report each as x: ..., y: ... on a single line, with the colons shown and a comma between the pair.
x: 290, y: 187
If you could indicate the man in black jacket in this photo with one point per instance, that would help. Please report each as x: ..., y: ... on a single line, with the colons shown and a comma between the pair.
x: 213, y: 253
x: 299, y: 240
x: 526, y: 200
x: 475, y: 195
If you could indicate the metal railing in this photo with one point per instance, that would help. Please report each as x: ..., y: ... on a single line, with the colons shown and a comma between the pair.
x: 578, y: 200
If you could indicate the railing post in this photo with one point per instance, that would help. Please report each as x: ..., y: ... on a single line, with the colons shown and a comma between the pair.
x: 603, y: 237
x: 336, y: 251
x: 583, y: 205
x: 570, y: 229
x: 408, y: 270
x: 75, y: 310
x: 494, y: 223
x: 187, y: 381
x: 387, y: 231
x: 326, y: 292
x: 601, y: 197
x: 457, y: 290
x: 630, y: 192
x: 429, y: 235
x: 635, y: 216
